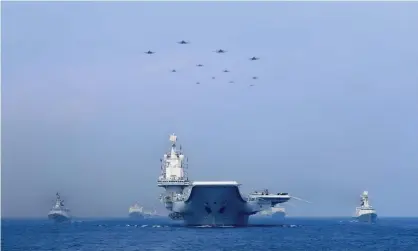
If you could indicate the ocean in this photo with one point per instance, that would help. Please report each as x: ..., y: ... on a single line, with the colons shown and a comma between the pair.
x: 166, y: 235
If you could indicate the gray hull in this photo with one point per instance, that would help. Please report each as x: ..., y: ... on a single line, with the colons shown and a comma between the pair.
x: 215, y: 206
x: 278, y: 216
x: 371, y: 218
x: 136, y: 216
x: 58, y: 217
x: 275, y: 218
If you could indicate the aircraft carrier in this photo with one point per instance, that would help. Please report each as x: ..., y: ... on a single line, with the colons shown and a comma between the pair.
x: 59, y: 213
x: 214, y: 203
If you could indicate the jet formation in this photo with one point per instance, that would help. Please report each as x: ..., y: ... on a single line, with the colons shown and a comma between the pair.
x: 218, y: 51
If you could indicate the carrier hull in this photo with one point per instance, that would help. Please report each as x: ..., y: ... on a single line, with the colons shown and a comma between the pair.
x: 214, y: 205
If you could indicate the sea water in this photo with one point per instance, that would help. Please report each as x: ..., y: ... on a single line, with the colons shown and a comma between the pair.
x: 166, y: 235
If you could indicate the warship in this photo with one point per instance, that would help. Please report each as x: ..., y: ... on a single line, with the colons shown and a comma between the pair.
x: 58, y: 212
x: 365, y: 212
x: 213, y: 203
x: 137, y: 212
x: 276, y: 213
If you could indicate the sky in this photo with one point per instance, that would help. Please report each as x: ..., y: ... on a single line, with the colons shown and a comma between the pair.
x: 86, y: 113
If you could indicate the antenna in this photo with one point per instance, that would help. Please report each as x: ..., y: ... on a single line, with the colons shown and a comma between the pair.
x: 296, y: 198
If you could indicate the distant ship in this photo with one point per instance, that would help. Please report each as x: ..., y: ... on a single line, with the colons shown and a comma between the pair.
x: 214, y: 203
x: 365, y: 212
x: 137, y: 212
x: 278, y: 213
x: 275, y: 213
x: 58, y: 212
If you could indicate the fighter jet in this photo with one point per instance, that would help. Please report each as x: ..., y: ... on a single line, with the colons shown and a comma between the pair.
x: 251, y: 85
x: 199, y: 65
x: 231, y: 82
x: 213, y: 77
x: 174, y: 70
x: 226, y: 70
x: 220, y: 51
x: 198, y: 83
x: 183, y: 42
x: 254, y: 58
x: 255, y: 77
x: 149, y: 52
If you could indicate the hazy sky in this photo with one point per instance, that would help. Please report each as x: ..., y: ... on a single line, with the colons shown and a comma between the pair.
x: 85, y: 112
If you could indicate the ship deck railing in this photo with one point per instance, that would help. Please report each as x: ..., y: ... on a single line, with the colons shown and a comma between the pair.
x: 59, y: 209
x: 173, y: 181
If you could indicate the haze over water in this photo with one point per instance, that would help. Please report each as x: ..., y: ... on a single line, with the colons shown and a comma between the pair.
x: 85, y: 112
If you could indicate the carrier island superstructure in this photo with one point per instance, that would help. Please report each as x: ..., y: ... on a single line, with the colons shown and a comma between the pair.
x: 217, y: 203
